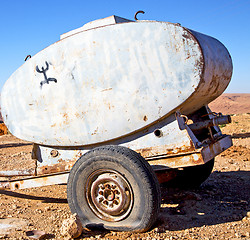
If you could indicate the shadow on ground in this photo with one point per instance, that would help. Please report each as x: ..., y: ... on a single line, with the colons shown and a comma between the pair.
x: 223, y: 198
x: 9, y: 145
x: 32, y: 197
x: 241, y: 135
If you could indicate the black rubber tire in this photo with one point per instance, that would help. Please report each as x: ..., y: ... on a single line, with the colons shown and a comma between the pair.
x: 132, y: 169
x: 192, y: 177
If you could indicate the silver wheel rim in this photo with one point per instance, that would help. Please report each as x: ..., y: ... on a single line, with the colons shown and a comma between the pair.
x: 109, y: 195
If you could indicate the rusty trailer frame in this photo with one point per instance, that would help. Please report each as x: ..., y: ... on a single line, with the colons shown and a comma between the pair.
x: 54, y: 164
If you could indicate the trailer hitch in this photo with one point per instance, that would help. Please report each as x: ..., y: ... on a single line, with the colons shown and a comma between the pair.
x: 216, y: 121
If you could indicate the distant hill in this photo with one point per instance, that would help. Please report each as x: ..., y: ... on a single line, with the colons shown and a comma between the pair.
x: 231, y: 103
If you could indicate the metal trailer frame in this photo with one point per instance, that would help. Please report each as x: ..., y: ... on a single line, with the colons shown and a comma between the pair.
x: 171, y: 144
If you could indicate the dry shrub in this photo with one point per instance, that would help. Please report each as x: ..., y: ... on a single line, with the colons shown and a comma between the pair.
x: 3, y: 129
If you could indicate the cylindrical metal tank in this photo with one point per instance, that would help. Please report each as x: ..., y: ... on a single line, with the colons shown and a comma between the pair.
x: 103, y: 83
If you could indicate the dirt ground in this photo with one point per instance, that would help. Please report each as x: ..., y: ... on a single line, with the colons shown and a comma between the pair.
x: 219, y: 209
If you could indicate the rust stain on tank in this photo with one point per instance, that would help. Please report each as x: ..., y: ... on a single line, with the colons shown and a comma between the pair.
x: 109, y: 105
x: 66, y: 119
x: 108, y: 89
x: 95, y: 132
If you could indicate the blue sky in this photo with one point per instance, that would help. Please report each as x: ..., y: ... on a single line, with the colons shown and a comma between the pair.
x: 28, y: 26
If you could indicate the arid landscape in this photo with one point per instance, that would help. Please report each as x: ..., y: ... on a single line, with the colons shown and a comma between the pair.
x: 218, y: 209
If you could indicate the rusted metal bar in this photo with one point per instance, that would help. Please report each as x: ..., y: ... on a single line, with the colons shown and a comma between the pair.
x: 40, y: 181
x: 16, y: 173
x: 176, y: 162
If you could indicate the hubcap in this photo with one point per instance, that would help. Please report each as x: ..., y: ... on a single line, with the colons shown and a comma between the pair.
x: 109, y: 195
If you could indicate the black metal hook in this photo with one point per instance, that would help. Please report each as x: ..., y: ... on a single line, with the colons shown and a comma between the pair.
x: 137, y: 13
x: 29, y: 56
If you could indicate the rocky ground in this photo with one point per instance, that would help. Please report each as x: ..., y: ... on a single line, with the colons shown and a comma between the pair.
x: 219, y: 209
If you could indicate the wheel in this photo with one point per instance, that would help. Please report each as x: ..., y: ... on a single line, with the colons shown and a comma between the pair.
x: 114, y: 188
x: 192, y: 177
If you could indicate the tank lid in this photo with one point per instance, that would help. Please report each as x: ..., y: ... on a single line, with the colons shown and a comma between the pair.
x: 97, y: 23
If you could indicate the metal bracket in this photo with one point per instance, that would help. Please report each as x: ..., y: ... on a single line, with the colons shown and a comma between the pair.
x: 182, y: 122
